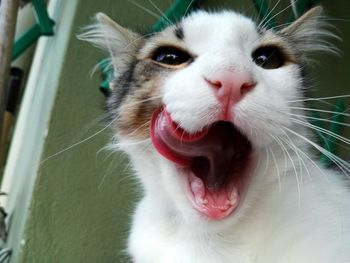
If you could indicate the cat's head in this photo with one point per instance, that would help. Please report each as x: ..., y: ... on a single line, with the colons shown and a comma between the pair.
x: 199, y: 104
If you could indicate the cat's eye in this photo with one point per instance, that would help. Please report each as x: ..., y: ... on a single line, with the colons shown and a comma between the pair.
x: 171, y: 56
x: 269, y: 57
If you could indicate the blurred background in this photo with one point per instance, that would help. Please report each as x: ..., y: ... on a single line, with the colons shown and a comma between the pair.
x: 65, y: 198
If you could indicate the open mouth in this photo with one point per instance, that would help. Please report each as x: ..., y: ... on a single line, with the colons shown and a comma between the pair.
x: 216, y: 160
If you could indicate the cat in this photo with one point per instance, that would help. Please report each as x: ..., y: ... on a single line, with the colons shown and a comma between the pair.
x: 210, y: 112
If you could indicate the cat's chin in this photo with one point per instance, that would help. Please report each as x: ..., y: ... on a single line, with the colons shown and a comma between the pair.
x: 216, y: 163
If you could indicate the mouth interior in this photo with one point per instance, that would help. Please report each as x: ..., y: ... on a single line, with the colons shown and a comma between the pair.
x: 216, y: 160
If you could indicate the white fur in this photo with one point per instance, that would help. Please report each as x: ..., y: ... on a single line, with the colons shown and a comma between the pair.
x: 294, y: 210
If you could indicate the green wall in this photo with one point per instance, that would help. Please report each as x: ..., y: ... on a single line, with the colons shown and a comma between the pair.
x: 84, y: 196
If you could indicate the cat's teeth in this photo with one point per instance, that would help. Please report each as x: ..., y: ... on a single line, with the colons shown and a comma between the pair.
x: 201, y: 201
x: 221, y: 207
x: 197, y: 187
x: 233, y: 202
x: 234, y: 197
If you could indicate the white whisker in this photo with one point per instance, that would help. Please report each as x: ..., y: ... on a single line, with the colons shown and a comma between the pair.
x: 145, y: 9
x: 132, y: 105
x: 76, y: 144
x: 163, y: 15
x: 321, y: 98
x: 294, y: 8
x: 273, y: 17
x: 277, y: 169
x: 296, y: 149
x: 318, y: 119
x: 338, y: 161
x: 188, y: 7
x: 322, y: 130
x: 294, y: 168
x: 318, y: 110
x: 267, y: 163
x: 262, y: 23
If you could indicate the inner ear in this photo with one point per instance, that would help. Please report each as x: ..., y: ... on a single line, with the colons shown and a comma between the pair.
x: 116, y: 31
x: 310, y: 34
x: 306, y: 21
x: 106, y: 34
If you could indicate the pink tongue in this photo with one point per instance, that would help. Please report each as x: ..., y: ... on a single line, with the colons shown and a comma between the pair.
x: 216, y: 158
x: 212, y: 154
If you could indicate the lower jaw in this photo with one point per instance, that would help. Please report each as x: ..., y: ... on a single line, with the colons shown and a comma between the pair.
x: 211, y: 212
x: 238, y: 189
x: 215, y: 214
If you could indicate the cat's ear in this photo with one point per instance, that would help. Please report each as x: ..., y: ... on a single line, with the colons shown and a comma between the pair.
x: 106, y: 34
x: 310, y: 32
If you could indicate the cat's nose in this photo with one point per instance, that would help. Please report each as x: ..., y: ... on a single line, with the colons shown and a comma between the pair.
x: 230, y: 86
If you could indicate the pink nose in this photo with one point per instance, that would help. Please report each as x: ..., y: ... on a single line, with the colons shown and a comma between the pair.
x: 230, y: 86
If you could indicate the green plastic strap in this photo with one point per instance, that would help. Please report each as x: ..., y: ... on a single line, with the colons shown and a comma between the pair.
x: 315, y: 119
x: 335, y: 128
x: 327, y: 141
x: 106, y: 71
x: 42, y: 17
x: 43, y: 26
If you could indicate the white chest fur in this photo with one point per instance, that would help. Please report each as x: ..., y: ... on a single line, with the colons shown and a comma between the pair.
x: 308, y: 225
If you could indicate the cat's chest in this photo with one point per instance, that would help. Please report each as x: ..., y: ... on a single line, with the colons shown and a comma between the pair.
x: 173, y: 250
x: 152, y: 240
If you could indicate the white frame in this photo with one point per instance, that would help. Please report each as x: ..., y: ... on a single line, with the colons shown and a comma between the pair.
x: 32, y: 123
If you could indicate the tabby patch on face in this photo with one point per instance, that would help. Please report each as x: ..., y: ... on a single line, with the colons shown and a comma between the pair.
x: 136, y: 111
x: 142, y: 86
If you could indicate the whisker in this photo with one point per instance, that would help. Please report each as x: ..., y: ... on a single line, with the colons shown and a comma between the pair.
x: 131, y: 43
x: 334, y: 135
x: 294, y: 168
x: 147, y: 123
x: 320, y: 134
x: 100, y: 131
x: 262, y: 23
x: 296, y: 150
x: 163, y: 15
x: 284, y: 155
x: 294, y: 8
x: 307, y: 157
x: 328, y: 133
x: 77, y: 143
x: 338, y: 161
x: 132, y: 105
x: 267, y: 163
x: 319, y: 119
x: 150, y: 12
x: 323, y: 19
x: 119, y: 144
x: 188, y: 7
x: 280, y: 12
x: 111, y: 167
x: 321, y: 98
x: 319, y: 110
x: 277, y: 170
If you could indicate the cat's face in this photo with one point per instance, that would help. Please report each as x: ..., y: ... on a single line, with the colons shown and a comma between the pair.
x: 197, y: 105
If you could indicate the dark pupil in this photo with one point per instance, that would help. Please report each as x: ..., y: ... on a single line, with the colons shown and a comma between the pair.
x: 170, y: 56
x: 261, y: 60
x: 268, y: 57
